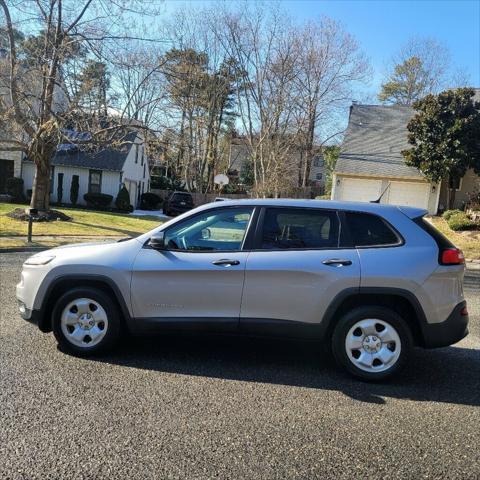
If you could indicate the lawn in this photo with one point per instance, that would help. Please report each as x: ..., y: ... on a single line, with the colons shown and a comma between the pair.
x: 85, y: 225
x: 467, y: 241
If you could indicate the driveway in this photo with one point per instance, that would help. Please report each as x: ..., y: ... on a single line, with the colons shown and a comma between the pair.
x: 229, y: 408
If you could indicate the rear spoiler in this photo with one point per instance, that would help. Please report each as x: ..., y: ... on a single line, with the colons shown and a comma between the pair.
x: 413, y: 212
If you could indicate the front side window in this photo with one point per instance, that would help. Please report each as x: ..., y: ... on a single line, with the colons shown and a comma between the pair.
x: 369, y: 230
x: 285, y: 228
x: 95, y: 181
x: 213, y: 230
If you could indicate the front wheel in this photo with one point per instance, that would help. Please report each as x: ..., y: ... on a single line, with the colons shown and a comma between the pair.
x: 86, y: 321
x: 371, y: 343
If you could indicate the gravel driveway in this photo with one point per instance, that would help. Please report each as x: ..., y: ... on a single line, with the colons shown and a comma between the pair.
x: 229, y: 408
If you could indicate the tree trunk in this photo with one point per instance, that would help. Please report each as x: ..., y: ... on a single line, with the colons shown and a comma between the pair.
x: 451, y: 199
x: 41, y: 150
x: 41, y: 189
x: 309, y: 149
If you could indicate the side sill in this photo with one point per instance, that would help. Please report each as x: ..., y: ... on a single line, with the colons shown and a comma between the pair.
x: 183, y: 324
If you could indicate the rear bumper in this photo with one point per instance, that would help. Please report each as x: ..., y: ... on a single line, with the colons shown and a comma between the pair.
x: 451, y: 331
x: 178, y: 209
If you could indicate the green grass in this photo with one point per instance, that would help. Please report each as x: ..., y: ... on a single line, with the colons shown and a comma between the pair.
x: 86, y: 223
x: 467, y: 241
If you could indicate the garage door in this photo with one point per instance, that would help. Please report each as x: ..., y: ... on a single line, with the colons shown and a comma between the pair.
x: 409, y: 193
x: 359, y: 189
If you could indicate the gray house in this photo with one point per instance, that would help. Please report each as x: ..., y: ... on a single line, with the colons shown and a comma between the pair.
x: 371, y: 163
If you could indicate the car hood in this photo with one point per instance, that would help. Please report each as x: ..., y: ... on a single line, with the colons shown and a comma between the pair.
x: 110, y: 253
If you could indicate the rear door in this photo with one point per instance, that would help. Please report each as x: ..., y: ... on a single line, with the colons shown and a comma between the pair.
x: 296, y: 269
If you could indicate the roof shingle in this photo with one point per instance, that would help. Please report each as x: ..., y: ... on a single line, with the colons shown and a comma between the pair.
x: 375, y: 137
x: 106, y: 159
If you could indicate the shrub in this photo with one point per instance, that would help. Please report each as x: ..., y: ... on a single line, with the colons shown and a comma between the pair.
x: 98, y: 200
x: 150, y: 201
x: 449, y: 213
x: 460, y: 221
x: 60, y: 188
x: 122, y: 202
x: 74, y: 190
x: 14, y: 187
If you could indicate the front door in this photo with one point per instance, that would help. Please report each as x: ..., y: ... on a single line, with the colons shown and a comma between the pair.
x: 199, y: 278
x: 6, y: 172
x: 296, y: 269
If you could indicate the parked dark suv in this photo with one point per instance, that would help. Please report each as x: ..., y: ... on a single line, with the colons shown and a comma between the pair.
x: 177, y: 203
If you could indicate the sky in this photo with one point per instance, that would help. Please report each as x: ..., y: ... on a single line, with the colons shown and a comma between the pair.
x: 382, y: 27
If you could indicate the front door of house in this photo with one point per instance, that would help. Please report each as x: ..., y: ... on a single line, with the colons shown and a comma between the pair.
x: 6, y: 171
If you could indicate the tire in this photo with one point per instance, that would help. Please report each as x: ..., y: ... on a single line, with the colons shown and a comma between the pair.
x: 86, y: 322
x: 383, y: 339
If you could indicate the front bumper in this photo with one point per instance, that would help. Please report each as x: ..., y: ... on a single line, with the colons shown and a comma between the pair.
x: 448, y: 332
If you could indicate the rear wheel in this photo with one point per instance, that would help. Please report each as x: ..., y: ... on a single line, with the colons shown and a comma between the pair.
x: 371, y: 343
x: 86, y: 321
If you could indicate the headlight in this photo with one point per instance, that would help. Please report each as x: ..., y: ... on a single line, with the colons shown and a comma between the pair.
x: 39, y: 260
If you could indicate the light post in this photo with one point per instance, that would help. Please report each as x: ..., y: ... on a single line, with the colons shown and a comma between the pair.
x: 32, y: 213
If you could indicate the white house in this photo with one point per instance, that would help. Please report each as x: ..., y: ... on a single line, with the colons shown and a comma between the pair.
x: 371, y: 163
x: 99, y: 172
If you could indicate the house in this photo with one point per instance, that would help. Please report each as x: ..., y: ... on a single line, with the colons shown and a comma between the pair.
x: 371, y: 163
x: 240, y: 153
x: 99, y: 172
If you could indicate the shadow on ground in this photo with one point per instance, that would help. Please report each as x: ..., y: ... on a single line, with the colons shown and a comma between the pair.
x: 450, y: 375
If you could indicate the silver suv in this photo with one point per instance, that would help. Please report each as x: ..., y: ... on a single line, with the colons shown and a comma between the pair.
x: 372, y: 280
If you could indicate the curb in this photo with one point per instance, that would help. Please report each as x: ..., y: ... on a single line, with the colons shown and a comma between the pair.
x: 23, y: 249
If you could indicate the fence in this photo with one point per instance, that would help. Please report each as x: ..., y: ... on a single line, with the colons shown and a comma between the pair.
x: 202, y: 198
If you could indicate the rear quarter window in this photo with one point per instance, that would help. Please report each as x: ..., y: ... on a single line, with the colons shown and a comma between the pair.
x: 440, y: 239
x: 368, y: 230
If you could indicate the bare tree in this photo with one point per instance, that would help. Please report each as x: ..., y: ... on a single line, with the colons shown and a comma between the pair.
x: 330, y: 66
x: 264, y: 46
x: 35, y: 107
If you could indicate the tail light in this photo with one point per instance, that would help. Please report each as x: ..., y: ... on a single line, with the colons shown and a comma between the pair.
x: 452, y: 256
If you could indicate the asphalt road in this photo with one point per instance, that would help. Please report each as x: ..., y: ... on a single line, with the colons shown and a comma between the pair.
x: 229, y: 408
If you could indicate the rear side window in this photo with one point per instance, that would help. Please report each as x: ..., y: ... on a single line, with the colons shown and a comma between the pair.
x: 287, y: 228
x: 368, y: 230
x: 441, y: 240
x: 182, y: 197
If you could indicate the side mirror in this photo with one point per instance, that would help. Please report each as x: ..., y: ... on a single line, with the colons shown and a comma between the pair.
x: 158, y: 241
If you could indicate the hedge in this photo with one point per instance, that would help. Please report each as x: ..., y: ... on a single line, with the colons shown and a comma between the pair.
x: 98, y: 200
x: 460, y: 221
x: 449, y: 213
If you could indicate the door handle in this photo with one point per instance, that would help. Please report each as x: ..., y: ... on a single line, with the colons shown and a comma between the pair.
x: 337, y: 262
x: 226, y: 262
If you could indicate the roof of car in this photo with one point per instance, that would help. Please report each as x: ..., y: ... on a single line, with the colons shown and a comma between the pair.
x: 380, y: 209
x: 330, y: 204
